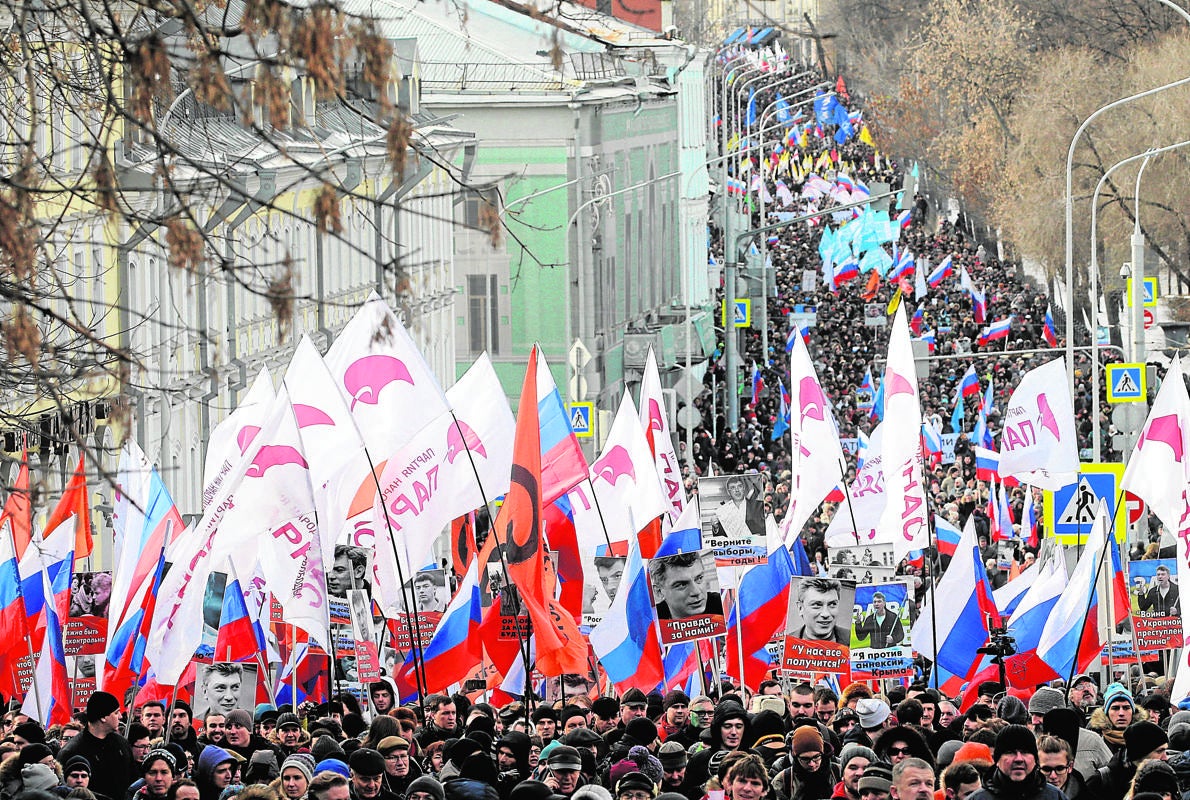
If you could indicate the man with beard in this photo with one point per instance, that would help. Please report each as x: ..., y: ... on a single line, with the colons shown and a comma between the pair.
x: 1016, y: 775
x: 181, y: 731
x: 214, y: 729
x: 512, y: 761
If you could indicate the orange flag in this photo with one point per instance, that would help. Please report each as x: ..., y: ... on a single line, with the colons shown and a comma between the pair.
x: 873, y: 285
x: 18, y: 512
x: 75, y: 503
x: 561, y: 648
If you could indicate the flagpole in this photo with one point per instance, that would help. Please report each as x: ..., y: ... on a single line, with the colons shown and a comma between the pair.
x: 1090, y: 597
x: 173, y: 698
x: 599, y: 509
x: 523, y: 645
x: 847, y: 496
x: 407, y: 596
x: 739, y: 633
x: 296, y: 661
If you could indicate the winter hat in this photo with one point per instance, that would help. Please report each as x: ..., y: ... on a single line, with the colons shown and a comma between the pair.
x: 564, y: 757
x: 366, y: 761
x: 1179, y: 737
x: 766, y: 727
x: 263, y: 764
x: 878, y: 776
x: 1156, y: 776
x: 856, y: 751
x: 1045, y: 700
x: 593, y: 791
x: 642, y: 730
x: 428, y: 785
x: 672, y: 756
x: 333, y: 765
x: 1142, y: 738
x: 390, y: 743
x: 302, y: 762
x: 1114, y: 692
x: 872, y: 712
x: 675, y: 698
x: 325, y: 747
x: 947, y: 752
x: 1014, y: 738
x: 38, y: 776
x: 635, y: 781
x: 528, y: 790
x: 240, y: 718
x: 100, y: 704
x: 31, y: 732
x: 290, y: 720
x: 33, y: 753
x: 1011, y: 709
x: 973, y: 751
x: 77, y: 764
x: 807, y: 739
x: 647, y: 763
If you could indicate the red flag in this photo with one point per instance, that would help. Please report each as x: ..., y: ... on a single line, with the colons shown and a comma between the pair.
x: 75, y: 503
x: 18, y: 511
x: 518, y: 527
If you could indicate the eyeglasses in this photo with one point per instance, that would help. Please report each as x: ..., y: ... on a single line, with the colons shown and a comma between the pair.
x: 898, y: 751
x: 635, y: 795
x: 1055, y: 770
x: 814, y: 758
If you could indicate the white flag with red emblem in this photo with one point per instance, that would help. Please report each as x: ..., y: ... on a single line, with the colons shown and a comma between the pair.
x: 1038, y: 445
x: 905, y: 513
x: 624, y: 477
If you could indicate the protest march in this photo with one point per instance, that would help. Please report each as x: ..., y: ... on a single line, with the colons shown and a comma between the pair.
x: 895, y: 578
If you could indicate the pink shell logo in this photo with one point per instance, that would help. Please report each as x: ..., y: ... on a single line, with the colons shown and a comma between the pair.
x: 367, y: 377
x: 1045, y: 417
x: 614, y: 463
x: 460, y: 438
x: 656, y: 418
x: 1164, y: 429
x: 246, y: 435
x: 274, y: 455
x: 897, y: 384
x: 812, y: 400
x: 308, y: 416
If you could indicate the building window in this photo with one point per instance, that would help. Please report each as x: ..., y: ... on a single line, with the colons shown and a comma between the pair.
x: 483, y: 314
x: 480, y: 207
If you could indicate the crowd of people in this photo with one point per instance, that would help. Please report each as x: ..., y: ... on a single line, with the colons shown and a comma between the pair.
x: 844, y: 348
x: 800, y: 743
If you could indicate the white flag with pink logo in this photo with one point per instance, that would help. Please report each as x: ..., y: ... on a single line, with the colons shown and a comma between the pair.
x: 453, y: 466
x: 817, y: 461
x: 1158, y: 470
x: 660, y: 438
x: 229, y: 438
x: 624, y: 477
x: 857, y: 519
x: 391, y: 391
x: 905, y: 512
x: 1038, y: 445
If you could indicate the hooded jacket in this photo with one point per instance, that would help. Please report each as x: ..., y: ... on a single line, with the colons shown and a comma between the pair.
x: 698, y: 770
x: 204, y: 770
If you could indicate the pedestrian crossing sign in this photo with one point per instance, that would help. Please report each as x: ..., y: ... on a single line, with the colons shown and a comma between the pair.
x: 579, y: 415
x: 1069, y: 512
x: 1126, y: 383
x: 741, y: 314
x: 1150, y: 298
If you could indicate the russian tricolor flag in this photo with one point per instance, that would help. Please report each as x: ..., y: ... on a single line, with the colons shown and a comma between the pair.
x: 961, y: 606
x: 1048, y: 330
x: 627, y: 639
x: 456, y: 647
x: 757, y: 383
x: 763, y: 598
x: 969, y: 385
x: 904, y: 218
x: 999, y: 329
x: 866, y: 387
x: 931, y: 340
x: 941, y: 272
x: 563, y: 465
x: 916, y: 321
x: 903, y: 268
x: 801, y: 328
x: 240, y: 636
x: 946, y: 537
x: 987, y: 464
x: 979, y: 306
x: 847, y: 271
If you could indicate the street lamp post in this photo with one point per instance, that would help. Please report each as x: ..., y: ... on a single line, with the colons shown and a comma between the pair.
x: 1070, y: 203
x: 1095, y: 426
